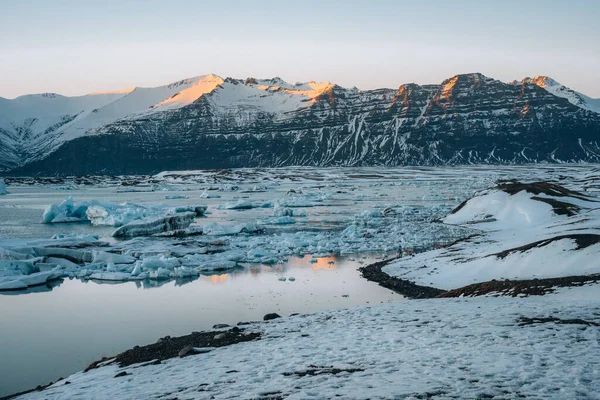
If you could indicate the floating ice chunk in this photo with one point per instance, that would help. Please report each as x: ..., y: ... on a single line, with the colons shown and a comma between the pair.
x: 191, y: 231
x: 184, y: 272
x: 23, y: 281
x: 282, y: 279
x: 259, y: 188
x: 157, y: 262
x: 291, y: 279
x: 207, y: 195
x: 217, y: 265
x: 98, y: 215
x: 122, y: 214
x: 137, y: 269
x: 111, y: 276
x: 215, y: 229
x: 66, y: 211
x: 261, y: 255
x: 62, y: 262
x: 104, y: 257
x: 175, y: 196
x: 285, y: 220
x: 288, y: 212
x: 160, y: 274
x: 78, y: 236
x: 239, y: 205
x: 24, y: 267
x: 199, y: 210
x: 3, y: 189
x: 111, y: 214
x: 151, y: 226
x: 75, y: 256
x: 12, y: 284
x: 297, y: 202
x: 7, y: 254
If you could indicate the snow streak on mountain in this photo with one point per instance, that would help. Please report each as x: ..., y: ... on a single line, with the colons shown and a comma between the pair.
x: 211, y: 122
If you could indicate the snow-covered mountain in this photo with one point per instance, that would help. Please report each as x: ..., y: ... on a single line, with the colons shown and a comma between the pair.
x: 211, y: 122
x: 559, y: 90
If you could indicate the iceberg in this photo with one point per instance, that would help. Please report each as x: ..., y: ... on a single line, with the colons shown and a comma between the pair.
x: 215, y: 229
x: 151, y: 226
x: 239, y: 205
x: 285, y: 220
x: 110, y: 214
x: 66, y: 211
x: 3, y: 189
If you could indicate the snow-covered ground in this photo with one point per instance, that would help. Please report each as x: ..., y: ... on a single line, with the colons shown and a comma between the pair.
x: 438, y: 348
x: 521, y: 232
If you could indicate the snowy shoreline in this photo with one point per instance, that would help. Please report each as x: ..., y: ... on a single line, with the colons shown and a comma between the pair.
x: 542, y: 346
x: 436, y: 348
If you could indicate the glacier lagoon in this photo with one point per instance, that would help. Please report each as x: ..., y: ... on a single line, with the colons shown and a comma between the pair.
x: 347, y: 217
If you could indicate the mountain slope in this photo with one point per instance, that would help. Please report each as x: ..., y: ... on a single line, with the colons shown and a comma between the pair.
x: 209, y: 122
x: 559, y: 90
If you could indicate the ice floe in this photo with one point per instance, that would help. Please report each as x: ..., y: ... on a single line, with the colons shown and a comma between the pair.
x: 151, y: 226
x: 109, y: 214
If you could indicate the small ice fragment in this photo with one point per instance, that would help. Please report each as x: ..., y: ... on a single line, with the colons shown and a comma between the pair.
x: 291, y: 279
x: 282, y: 279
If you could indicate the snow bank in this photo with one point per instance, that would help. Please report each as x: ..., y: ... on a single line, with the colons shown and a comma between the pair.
x: 522, y: 233
x: 457, y: 348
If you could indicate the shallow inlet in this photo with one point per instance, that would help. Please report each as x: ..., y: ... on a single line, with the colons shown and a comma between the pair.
x: 53, y: 333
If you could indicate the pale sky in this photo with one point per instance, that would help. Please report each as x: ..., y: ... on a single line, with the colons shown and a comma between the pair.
x: 74, y: 47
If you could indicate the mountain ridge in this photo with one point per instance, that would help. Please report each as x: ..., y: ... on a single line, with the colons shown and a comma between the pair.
x: 234, y: 121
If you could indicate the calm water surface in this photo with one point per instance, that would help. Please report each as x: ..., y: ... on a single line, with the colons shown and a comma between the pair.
x: 51, y: 334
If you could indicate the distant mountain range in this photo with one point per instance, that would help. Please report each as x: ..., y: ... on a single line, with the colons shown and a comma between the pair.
x: 211, y: 122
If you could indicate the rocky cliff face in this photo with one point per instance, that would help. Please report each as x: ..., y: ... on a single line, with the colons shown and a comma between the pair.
x: 268, y: 123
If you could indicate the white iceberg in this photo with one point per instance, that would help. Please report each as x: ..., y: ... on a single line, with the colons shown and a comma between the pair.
x: 151, y: 226
x: 110, y: 214
x: 66, y: 211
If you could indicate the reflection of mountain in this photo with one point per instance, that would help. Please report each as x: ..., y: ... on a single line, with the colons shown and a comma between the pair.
x: 324, y: 263
x: 47, y: 287
x: 215, y: 279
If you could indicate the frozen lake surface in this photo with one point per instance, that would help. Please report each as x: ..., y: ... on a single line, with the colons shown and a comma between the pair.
x: 350, y: 216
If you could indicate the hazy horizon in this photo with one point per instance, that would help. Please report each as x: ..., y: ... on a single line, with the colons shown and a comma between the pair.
x: 75, y: 48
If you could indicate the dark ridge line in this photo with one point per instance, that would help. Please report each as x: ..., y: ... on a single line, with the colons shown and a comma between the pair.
x: 527, y: 287
x: 582, y: 240
x: 373, y: 272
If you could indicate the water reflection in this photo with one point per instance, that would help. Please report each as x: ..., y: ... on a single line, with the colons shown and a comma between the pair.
x: 47, y: 287
x: 317, y: 264
x: 120, y: 315
x: 325, y: 263
x: 216, y: 279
